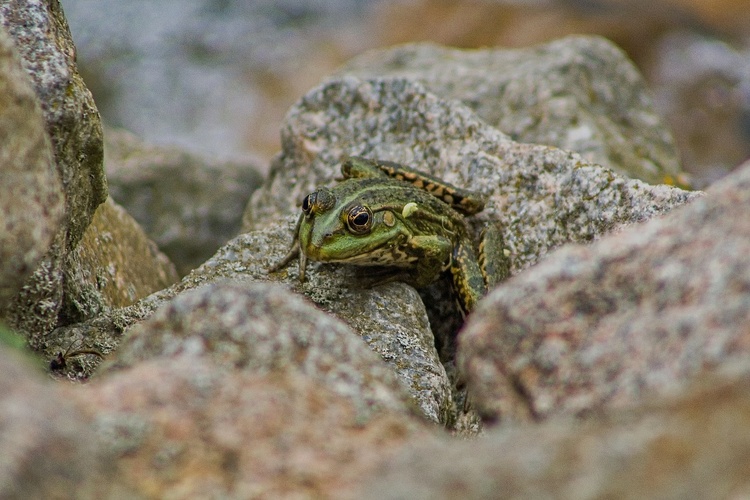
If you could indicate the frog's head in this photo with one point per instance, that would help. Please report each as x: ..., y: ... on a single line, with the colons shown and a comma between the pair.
x: 344, y: 230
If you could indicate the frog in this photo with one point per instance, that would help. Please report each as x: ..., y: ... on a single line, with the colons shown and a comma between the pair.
x: 382, y: 213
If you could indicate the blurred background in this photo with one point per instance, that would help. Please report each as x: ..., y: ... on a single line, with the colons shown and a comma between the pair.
x: 217, y: 76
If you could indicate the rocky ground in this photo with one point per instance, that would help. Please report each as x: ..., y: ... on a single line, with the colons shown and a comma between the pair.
x: 148, y: 353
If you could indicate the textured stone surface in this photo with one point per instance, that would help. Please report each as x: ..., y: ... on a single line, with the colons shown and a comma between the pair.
x: 114, y: 265
x: 639, y: 311
x: 41, y: 36
x: 189, y: 428
x: 696, y: 445
x: 43, y: 40
x: 47, y: 447
x: 31, y: 197
x: 578, y: 93
x: 189, y: 205
x: 262, y: 329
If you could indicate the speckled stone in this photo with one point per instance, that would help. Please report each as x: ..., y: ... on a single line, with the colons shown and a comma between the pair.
x: 692, y: 445
x: 579, y: 93
x: 114, y: 265
x: 48, y: 450
x: 390, y: 318
x: 31, y: 197
x: 42, y: 38
x: 262, y: 328
x: 638, y: 312
x: 185, y: 427
x: 540, y: 196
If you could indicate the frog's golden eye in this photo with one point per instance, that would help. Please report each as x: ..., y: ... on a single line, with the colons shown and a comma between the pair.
x: 359, y: 219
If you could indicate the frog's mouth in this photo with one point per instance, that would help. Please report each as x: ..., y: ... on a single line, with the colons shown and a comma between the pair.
x: 383, y: 255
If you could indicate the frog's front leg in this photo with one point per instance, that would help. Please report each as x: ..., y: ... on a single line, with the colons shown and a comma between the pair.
x: 468, y: 279
x: 494, y: 258
x: 293, y: 253
x: 473, y: 277
x: 433, y: 254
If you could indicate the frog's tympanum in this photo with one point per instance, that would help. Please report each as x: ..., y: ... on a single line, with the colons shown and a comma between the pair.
x: 386, y: 214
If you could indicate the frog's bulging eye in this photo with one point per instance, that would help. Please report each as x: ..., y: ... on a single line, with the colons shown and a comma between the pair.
x: 318, y: 202
x: 307, y: 203
x: 359, y: 219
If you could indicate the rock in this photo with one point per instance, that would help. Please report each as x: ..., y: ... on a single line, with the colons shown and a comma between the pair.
x: 701, y: 84
x: 113, y: 266
x: 264, y: 329
x: 190, y: 427
x: 694, y: 445
x: 540, y: 196
x: 577, y: 93
x: 42, y: 39
x: 48, y: 447
x: 189, y: 205
x: 31, y: 197
x: 597, y: 326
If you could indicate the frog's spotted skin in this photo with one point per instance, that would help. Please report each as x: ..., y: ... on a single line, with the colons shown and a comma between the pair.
x: 385, y: 214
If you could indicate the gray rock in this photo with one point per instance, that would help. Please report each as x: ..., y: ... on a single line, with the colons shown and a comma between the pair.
x: 189, y: 205
x: 691, y: 445
x: 579, y: 93
x: 48, y: 448
x: 640, y: 311
x: 43, y: 40
x: 263, y: 329
x: 31, y: 196
x: 540, y: 197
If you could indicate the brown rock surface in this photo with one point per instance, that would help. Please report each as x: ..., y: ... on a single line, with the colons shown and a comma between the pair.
x: 692, y: 445
x: 114, y: 265
x: 188, y: 428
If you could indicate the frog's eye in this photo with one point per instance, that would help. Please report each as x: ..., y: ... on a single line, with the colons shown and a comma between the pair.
x: 318, y: 202
x: 359, y: 219
x: 307, y: 203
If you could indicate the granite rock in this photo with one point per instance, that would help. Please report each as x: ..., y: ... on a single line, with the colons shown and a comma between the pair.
x: 694, y: 444
x: 114, y: 265
x: 540, y: 196
x: 638, y: 312
x: 41, y: 37
x: 48, y: 449
x: 31, y: 196
x: 397, y: 328
x: 579, y: 93
x: 189, y: 427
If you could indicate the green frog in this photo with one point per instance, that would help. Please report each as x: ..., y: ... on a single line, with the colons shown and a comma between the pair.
x: 387, y: 214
